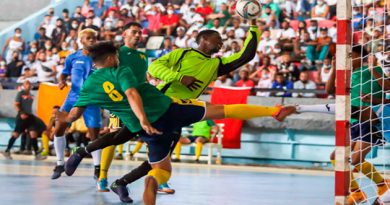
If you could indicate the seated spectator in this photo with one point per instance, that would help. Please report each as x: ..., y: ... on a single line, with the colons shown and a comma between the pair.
x: 48, y: 45
x: 191, y: 18
x: 231, y: 36
x: 96, y: 21
x: 86, y: 8
x: 287, y: 68
x: 40, y: 37
x: 223, y: 14
x: 320, y: 11
x: 154, y: 17
x: 320, y: 51
x: 191, y: 40
x: 281, y: 83
x: 30, y: 59
x: 181, y: 38
x: 112, y: 18
x: 14, y: 68
x: 274, y: 7
x: 217, y: 26
x: 3, y: 70
x: 14, y: 43
x: 268, y: 16
x: 287, y: 34
x: 266, y: 45
x: 167, y: 47
x: 33, y: 47
x: 375, y: 41
x: 313, y: 30
x: 357, y: 16
x: 232, y: 49
x: 64, y: 52
x: 325, y: 71
x: 198, y: 25
x: 238, y: 31
x: 47, y: 25
x: 301, y: 45
x: 265, y: 81
x: 27, y: 75
x: 99, y: 8
x: 186, y: 8
x: 45, y: 70
x: 267, y: 67
x: 71, y: 39
x: 124, y: 16
x: 223, y: 80
x: 304, y: 84
x: 169, y: 21
x: 301, y: 28
x: 204, y: 9
x: 244, y: 79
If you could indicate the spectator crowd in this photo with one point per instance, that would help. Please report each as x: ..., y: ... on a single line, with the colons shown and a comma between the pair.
x: 297, y: 42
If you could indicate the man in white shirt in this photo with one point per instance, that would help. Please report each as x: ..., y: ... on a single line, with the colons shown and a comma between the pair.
x: 238, y: 31
x: 180, y: 40
x: 266, y: 45
x: 287, y: 33
x: 304, y: 83
x: 45, y: 70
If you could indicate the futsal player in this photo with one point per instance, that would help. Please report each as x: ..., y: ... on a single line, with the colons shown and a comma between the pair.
x: 79, y: 66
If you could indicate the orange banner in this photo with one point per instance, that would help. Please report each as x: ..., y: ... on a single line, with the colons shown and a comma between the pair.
x: 49, y: 95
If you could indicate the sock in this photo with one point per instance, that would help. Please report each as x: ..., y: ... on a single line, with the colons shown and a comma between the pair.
x: 120, y: 149
x: 369, y: 170
x: 353, y: 184
x: 178, y: 150
x: 327, y: 108
x: 45, y: 143
x: 23, y: 141
x: 107, y: 157
x: 34, y: 144
x: 137, y: 147
x: 59, y: 146
x: 135, y: 174
x: 244, y: 111
x: 96, y: 156
x: 11, y: 142
x: 198, y: 150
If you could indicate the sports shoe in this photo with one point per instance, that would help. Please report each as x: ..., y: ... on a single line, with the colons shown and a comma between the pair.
x: 7, y: 155
x: 27, y: 152
x: 383, y: 187
x: 150, y: 192
x: 283, y: 112
x: 39, y: 157
x: 356, y: 197
x: 72, y: 163
x: 119, y: 157
x: 164, y: 188
x: 18, y: 152
x: 96, y: 173
x: 102, y: 185
x: 122, y: 192
x: 44, y: 153
x: 57, y: 171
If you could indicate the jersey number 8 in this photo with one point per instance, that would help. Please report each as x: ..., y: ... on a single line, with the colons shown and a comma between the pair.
x: 112, y: 93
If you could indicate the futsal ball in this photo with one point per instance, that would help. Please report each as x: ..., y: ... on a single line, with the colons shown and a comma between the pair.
x: 248, y: 9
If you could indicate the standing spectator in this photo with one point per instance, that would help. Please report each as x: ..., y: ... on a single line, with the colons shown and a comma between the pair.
x: 14, y: 43
x: 281, y: 83
x: 85, y: 8
x: 204, y: 9
x: 59, y: 33
x: 181, y: 38
x: 25, y: 120
x: 167, y: 47
x: 46, y: 70
x: 100, y: 8
x: 305, y: 84
x: 14, y: 68
x: 244, y: 79
x: 169, y: 21
x: 3, y: 71
x: 320, y: 11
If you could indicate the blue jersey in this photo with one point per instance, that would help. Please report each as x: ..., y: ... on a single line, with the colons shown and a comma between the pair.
x: 79, y: 67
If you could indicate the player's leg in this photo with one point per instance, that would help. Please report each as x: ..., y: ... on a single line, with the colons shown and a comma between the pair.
x: 19, y: 128
x: 45, y: 144
x: 324, y: 108
x: 92, y: 119
x: 107, y: 157
x: 119, y: 156
x: 182, y: 141
x: 199, y: 146
x: 137, y: 147
x: 160, y: 174
x: 34, y: 143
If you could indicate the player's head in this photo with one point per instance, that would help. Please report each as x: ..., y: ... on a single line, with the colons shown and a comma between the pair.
x: 358, y: 54
x: 104, y: 54
x: 132, y: 34
x: 27, y: 85
x: 87, y: 37
x: 209, y: 41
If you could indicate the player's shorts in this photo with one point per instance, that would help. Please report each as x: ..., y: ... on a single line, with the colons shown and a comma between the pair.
x: 383, y: 113
x: 193, y: 138
x: 32, y: 123
x: 92, y: 116
x: 181, y: 113
x: 367, y: 133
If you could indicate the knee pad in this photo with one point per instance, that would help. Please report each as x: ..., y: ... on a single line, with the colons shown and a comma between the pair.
x: 162, y: 176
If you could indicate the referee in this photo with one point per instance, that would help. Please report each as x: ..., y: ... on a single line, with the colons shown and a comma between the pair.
x: 25, y: 120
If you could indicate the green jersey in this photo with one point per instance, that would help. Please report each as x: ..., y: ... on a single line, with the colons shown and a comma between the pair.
x: 202, y: 129
x: 136, y: 60
x: 362, y: 82
x: 190, y: 62
x: 106, y: 88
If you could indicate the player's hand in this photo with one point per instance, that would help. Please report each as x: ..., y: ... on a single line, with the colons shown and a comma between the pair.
x: 62, y: 85
x: 191, y: 82
x: 366, y: 98
x: 149, y: 129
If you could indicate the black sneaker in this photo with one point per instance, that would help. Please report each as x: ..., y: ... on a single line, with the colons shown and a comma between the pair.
x: 96, y: 173
x: 72, y: 163
x: 122, y: 192
x: 57, y: 171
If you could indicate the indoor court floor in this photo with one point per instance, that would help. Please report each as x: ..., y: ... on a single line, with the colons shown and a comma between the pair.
x: 24, y: 181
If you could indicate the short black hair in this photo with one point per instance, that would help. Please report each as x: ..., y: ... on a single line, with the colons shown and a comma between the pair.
x: 359, y: 49
x: 205, y: 33
x: 65, y: 11
x: 56, y: 107
x: 18, y: 29
x: 136, y: 24
x: 99, y: 51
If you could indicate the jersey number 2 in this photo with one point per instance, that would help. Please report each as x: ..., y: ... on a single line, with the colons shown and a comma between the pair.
x: 112, y: 93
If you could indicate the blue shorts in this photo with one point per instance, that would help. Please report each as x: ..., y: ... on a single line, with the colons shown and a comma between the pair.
x: 176, y: 117
x: 92, y: 116
x: 367, y: 133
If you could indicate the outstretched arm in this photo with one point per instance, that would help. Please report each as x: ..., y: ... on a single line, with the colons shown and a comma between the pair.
x: 74, y: 114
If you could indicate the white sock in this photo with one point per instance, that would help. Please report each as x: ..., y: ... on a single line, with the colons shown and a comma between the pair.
x: 324, y: 108
x: 96, y: 156
x: 59, y: 146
